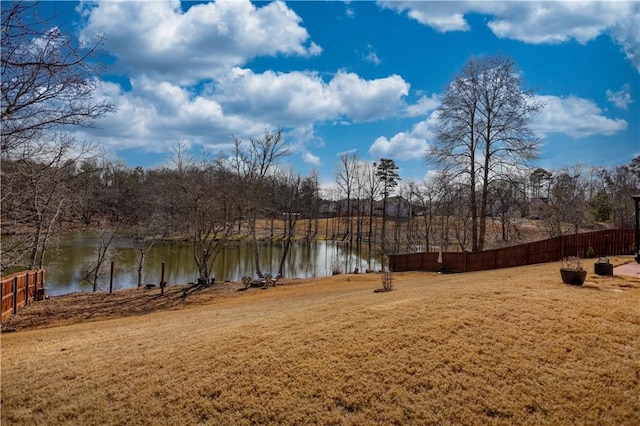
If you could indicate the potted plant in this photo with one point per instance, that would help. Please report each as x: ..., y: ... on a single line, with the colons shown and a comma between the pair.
x: 572, y: 271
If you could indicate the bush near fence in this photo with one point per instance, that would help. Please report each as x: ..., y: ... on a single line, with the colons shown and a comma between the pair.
x: 599, y: 243
x: 20, y: 289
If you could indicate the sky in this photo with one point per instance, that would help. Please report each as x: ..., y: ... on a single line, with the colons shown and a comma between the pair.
x: 359, y: 77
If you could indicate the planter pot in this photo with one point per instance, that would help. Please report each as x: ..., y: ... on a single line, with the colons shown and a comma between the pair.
x: 603, y: 267
x: 573, y: 277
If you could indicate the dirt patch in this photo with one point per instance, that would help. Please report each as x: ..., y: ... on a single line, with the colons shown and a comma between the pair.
x: 82, y: 307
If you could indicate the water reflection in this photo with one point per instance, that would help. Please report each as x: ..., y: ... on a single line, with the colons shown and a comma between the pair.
x: 306, y: 259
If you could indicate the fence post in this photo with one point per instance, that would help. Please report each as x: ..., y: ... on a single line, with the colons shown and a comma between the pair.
x: 111, y: 279
x: 162, y: 280
x: 15, y: 295
x: 26, y: 290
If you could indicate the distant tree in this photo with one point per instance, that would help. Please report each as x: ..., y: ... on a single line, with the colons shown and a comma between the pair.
x: 371, y: 188
x: 95, y: 264
x: 346, y: 174
x: 600, y: 206
x: 539, y: 178
x: 387, y: 174
x: 427, y: 197
x: 204, y: 206
x: 482, y: 132
x: 634, y: 166
x: 508, y: 201
x: 310, y: 203
x: 253, y: 163
x: 621, y: 182
x: 290, y: 204
x: 567, y: 204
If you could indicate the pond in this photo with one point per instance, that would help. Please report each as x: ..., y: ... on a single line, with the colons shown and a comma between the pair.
x: 66, y: 260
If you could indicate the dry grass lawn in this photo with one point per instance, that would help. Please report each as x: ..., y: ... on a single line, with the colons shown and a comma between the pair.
x: 511, y: 346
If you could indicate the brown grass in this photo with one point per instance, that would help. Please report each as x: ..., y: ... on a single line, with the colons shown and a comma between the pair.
x: 511, y: 346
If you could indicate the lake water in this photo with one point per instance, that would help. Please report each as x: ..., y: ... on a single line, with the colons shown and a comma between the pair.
x: 306, y: 259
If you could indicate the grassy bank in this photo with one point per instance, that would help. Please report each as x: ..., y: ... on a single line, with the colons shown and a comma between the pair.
x: 511, y: 346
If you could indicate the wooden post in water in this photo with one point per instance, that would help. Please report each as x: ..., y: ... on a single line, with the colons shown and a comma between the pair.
x: 162, y: 280
x: 111, y: 279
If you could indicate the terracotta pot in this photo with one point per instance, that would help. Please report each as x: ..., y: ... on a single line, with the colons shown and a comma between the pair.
x: 572, y: 277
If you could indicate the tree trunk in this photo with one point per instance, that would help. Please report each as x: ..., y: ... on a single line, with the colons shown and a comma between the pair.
x: 140, y: 265
x: 45, y: 241
x: 256, y: 252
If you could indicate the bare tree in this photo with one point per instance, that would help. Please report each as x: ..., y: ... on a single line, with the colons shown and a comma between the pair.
x: 483, y: 131
x: 428, y: 205
x: 290, y: 203
x: 37, y: 187
x: 360, y: 196
x: 621, y: 183
x: 346, y: 172
x: 48, y: 82
x: 371, y: 185
x: 206, y: 207
x: 566, y: 206
x: 94, y: 264
x: 144, y: 238
x: 253, y: 162
x: 48, y: 78
x: 507, y: 203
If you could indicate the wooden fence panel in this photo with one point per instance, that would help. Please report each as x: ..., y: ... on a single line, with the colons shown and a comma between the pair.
x: 19, y: 290
x: 452, y: 262
x: 601, y: 243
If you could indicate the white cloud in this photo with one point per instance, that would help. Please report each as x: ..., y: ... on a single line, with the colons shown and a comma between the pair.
x: 622, y: 98
x: 625, y: 32
x: 424, y: 105
x: 371, y: 56
x: 347, y: 152
x: 365, y: 100
x: 159, y: 38
x: 576, y: 117
x: 154, y: 114
x: 349, y: 12
x: 299, y: 98
x: 409, y: 145
x: 536, y: 22
x: 402, y: 146
x: 312, y: 159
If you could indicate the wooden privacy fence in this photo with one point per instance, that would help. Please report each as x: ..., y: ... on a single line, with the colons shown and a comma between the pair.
x: 20, y: 289
x: 597, y: 243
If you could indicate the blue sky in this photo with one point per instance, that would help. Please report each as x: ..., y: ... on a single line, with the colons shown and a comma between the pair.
x: 361, y: 77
